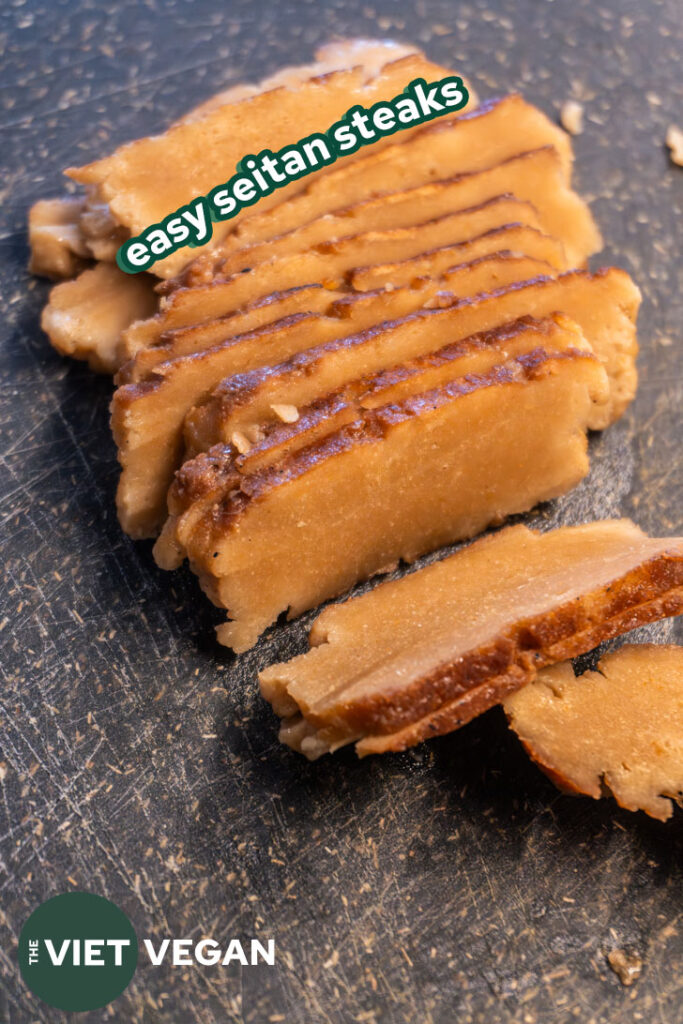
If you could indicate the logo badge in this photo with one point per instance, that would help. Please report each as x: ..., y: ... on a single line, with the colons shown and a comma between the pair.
x: 77, y: 952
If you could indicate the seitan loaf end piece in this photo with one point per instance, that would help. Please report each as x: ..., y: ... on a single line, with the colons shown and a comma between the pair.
x: 617, y: 730
x: 85, y: 317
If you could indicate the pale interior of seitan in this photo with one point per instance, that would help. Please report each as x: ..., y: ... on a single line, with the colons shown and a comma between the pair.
x: 128, y: 180
x: 206, y: 480
x: 532, y: 176
x: 388, y: 658
x: 86, y: 316
x: 617, y: 730
x: 480, y: 138
x: 604, y: 305
x: 504, y: 222
x: 399, y: 481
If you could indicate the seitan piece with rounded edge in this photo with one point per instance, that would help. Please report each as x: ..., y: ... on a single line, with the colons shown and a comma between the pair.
x: 533, y: 176
x: 85, y: 317
x: 503, y: 222
x: 423, y: 655
x: 129, y: 180
x: 618, y: 730
x: 400, y: 480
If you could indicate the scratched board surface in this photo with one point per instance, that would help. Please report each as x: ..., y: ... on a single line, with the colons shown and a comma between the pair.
x: 136, y: 758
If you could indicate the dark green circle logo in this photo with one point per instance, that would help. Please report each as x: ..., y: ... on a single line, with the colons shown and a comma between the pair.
x: 77, y: 951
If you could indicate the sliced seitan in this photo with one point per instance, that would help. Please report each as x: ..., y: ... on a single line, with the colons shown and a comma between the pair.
x: 488, y: 268
x: 147, y: 415
x: 483, y: 137
x: 534, y: 176
x: 425, y: 654
x: 58, y: 249
x: 618, y: 730
x: 400, y: 480
x: 144, y: 181
x: 512, y: 219
x: 604, y: 305
x: 207, y: 479
x: 84, y: 317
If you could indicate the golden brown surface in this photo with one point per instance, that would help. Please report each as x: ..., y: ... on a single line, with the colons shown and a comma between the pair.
x: 618, y: 730
x: 425, y: 654
x: 398, y: 481
x: 84, y: 317
x: 128, y: 180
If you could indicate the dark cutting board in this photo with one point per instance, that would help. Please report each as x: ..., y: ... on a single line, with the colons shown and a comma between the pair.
x: 450, y: 883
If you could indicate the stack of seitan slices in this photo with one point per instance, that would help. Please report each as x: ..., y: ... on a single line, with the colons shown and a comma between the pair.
x: 384, y: 358
x: 425, y: 654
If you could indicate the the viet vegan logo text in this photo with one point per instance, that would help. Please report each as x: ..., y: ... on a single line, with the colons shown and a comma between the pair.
x: 79, y: 952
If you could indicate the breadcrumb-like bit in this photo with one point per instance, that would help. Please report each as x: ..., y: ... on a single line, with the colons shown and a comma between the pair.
x: 241, y: 443
x: 674, y: 140
x: 286, y: 413
x: 571, y: 117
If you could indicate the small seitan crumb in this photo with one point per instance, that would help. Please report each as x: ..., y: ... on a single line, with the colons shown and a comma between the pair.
x: 241, y: 442
x: 627, y: 966
x: 286, y: 413
x: 674, y: 140
x: 571, y: 117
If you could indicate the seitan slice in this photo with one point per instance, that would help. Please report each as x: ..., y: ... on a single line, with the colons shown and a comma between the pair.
x: 513, y: 220
x: 207, y: 479
x: 480, y: 138
x: 398, y: 481
x: 84, y: 318
x: 618, y: 730
x: 58, y: 249
x: 488, y: 268
x: 423, y: 655
x: 147, y: 415
x: 535, y: 176
x: 189, y: 154
x: 603, y: 304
